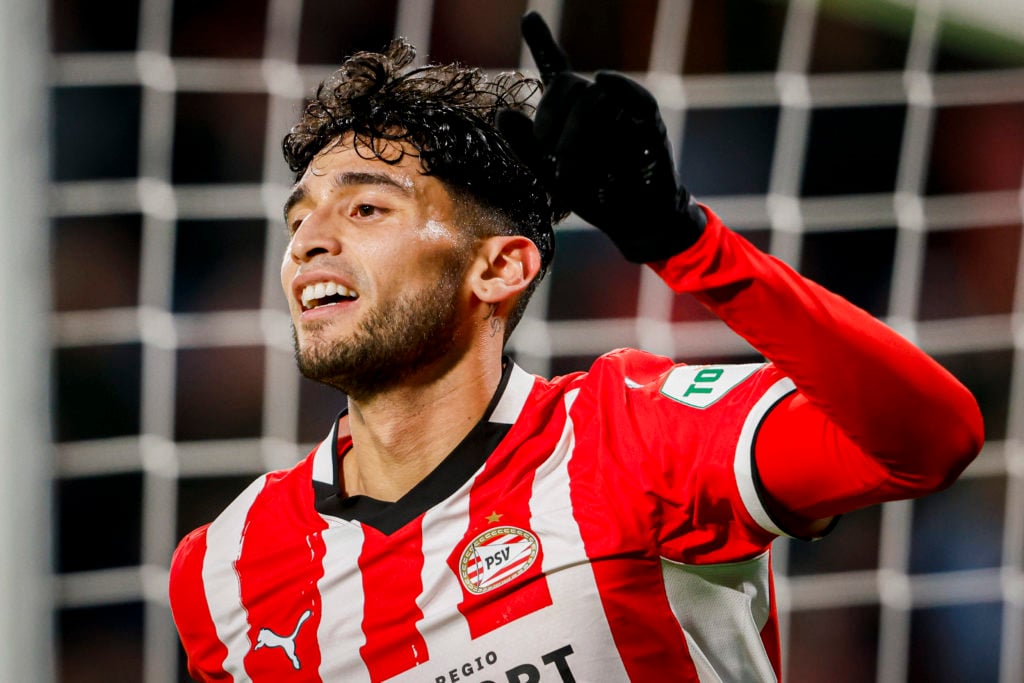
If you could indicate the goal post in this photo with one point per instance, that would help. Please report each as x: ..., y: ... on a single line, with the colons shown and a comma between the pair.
x: 26, y: 456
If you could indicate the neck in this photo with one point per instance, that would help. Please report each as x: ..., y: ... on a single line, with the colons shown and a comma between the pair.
x: 401, y: 435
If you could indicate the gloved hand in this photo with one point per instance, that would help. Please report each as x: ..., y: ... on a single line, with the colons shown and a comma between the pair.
x: 601, y: 150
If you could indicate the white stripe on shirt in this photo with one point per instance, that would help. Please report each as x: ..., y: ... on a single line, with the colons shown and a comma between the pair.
x: 743, y: 464
x: 340, y: 633
x: 224, y: 540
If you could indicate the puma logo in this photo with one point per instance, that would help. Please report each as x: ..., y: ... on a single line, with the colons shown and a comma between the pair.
x: 267, y: 638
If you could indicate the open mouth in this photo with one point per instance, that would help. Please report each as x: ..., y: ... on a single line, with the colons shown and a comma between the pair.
x: 326, y: 294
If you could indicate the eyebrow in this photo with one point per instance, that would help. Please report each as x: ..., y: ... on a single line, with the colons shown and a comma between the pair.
x: 348, y: 179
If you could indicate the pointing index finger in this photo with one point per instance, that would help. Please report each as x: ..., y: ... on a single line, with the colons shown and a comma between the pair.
x: 550, y: 58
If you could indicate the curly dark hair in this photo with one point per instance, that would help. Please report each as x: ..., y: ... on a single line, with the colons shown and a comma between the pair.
x: 446, y: 114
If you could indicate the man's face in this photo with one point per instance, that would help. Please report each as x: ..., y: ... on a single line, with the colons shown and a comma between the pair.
x: 374, y: 271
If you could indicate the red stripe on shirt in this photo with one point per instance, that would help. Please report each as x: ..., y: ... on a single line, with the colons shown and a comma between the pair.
x: 278, y: 599
x: 391, y: 568
x: 500, y: 497
x: 647, y: 635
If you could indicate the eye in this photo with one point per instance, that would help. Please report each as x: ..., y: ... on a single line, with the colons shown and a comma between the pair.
x: 365, y: 210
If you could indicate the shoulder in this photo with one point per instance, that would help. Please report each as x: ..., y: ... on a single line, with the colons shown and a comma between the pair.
x: 660, y: 404
x: 294, y: 482
x: 193, y: 542
x: 188, y: 557
x: 630, y: 377
x: 622, y: 367
x: 184, y: 583
x: 693, y: 386
x: 640, y: 366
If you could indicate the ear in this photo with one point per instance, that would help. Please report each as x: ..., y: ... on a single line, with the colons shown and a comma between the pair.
x: 504, y: 267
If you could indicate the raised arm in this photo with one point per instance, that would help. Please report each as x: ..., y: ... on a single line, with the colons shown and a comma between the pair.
x: 873, y: 417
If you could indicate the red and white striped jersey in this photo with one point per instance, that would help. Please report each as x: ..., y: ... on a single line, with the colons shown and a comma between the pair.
x: 605, y: 526
x: 563, y: 540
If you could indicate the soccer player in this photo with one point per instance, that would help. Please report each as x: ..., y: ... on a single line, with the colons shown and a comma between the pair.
x: 465, y: 520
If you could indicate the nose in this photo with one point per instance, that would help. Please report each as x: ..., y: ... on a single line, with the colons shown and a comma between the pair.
x: 314, y: 236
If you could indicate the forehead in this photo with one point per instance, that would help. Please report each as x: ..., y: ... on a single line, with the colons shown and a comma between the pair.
x: 342, y: 163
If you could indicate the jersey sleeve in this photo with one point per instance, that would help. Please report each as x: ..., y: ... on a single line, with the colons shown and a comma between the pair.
x: 679, y: 440
x: 873, y: 418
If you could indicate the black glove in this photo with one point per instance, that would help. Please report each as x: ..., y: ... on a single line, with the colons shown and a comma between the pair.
x: 601, y: 150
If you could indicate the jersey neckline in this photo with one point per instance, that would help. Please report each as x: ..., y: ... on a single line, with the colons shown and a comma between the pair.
x: 444, y: 480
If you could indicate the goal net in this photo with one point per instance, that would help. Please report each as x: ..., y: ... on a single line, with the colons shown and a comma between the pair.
x: 877, y: 146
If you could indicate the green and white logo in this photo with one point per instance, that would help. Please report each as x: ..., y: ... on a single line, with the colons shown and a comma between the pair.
x: 698, y: 386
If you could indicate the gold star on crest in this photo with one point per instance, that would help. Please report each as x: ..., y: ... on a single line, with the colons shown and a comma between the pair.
x: 494, y: 518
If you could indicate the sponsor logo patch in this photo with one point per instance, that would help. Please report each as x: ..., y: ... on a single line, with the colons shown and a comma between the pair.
x: 699, y: 386
x: 497, y: 556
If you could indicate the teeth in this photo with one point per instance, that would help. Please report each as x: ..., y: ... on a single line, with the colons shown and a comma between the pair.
x: 313, y: 293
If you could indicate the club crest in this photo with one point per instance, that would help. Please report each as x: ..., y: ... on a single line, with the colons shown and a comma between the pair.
x: 497, y: 556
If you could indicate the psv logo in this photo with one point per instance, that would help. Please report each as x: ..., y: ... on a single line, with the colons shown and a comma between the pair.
x: 497, y: 556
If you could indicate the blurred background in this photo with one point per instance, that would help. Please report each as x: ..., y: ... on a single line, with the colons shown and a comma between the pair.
x: 145, y: 355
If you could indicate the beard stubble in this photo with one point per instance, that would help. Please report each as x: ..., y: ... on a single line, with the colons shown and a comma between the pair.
x: 396, y: 340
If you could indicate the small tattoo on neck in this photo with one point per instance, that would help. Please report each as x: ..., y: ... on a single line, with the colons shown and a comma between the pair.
x: 495, y: 321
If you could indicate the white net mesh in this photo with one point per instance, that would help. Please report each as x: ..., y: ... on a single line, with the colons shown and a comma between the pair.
x: 878, y: 147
